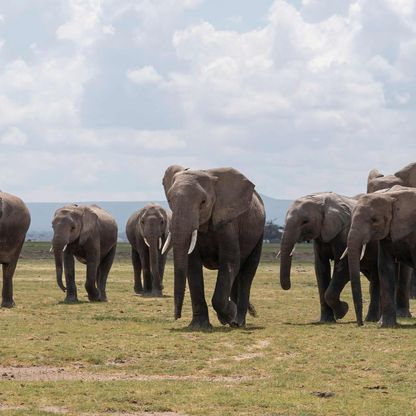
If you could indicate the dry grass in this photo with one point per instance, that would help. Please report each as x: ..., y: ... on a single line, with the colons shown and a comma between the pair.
x: 130, y: 357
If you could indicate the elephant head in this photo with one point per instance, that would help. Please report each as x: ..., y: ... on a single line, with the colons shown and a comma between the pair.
x: 153, y: 226
x: 375, y: 217
x: 70, y: 223
x: 323, y: 215
x: 201, y: 200
x: 406, y: 177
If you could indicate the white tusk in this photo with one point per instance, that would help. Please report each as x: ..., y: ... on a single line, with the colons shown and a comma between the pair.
x: 193, y: 241
x: 160, y: 243
x: 344, y: 254
x: 51, y: 249
x: 278, y: 254
x: 167, y: 243
x: 65, y: 247
x: 147, y: 243
x: 292, y: 252
x: 363, y: 251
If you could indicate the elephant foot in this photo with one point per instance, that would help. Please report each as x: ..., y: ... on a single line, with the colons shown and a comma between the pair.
x: 327, y: 318
x: 138, y: 290
x: 71, y: 299
x: 8, y: 304
x: 156, y: 293
x: 200, y: 323
x: 93, y: 298
x: 388, y: 322
x: 403, y: 313
x: 372, y: 317
x: 103, y: 299
x: 341, y: 310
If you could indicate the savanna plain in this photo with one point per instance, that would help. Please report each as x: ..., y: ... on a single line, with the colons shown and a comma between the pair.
x: 129, y: 356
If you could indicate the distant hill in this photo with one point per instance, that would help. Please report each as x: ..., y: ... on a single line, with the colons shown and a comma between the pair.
x: 42, y: 213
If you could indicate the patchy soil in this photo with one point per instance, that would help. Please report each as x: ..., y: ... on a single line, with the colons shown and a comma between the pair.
x: 43, y: 373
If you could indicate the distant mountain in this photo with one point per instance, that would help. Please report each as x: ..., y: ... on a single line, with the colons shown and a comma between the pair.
x: 42, y: 213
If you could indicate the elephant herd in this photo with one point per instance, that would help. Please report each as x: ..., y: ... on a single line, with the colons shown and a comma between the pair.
x: 217, y: 221
x: 373, y: 233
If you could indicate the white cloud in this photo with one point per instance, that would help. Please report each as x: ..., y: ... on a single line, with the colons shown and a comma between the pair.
x: 84, y: 26
x: 13, y: 137
x: 144, y: 75
x: 309, y: 100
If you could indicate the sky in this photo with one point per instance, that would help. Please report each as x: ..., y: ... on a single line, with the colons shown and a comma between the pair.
x: 98, y: 97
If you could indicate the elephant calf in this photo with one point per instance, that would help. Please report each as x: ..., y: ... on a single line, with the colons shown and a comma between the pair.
x: 147, y: 230
x: 88, y: 233
x: 14, y: 223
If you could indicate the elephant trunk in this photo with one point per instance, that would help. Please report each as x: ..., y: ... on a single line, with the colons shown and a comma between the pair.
x: 288, y: 243
x: 355, y: 242
x: 154, y: 251
x: 58, y: 249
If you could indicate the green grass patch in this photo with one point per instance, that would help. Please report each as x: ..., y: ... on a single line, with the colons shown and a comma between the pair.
x: 129, y: 355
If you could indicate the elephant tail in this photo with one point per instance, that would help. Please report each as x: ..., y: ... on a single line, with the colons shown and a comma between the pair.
x: 252, y: 310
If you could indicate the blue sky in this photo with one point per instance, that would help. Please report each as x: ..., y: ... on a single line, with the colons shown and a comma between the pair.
x: 98, y: 97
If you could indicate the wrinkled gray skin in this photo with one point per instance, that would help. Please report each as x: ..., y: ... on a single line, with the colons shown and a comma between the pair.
x: 14, y: 223
x: 229, y: 217
x: 150, y: 224
x: 389, y: 218
x: 325, y: 218
x: 89, y: 234
x: 406, y: 276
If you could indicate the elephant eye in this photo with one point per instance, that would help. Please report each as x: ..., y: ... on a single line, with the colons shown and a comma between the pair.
x: 373, y: 219
x: 304, y: 222
x: 203, y: 202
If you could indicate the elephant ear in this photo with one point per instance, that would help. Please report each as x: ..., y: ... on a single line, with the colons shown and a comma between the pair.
x: 168, y: 178
x: 233, y: 195
x: 403, y: 215
x: 89, y: 225
x: 373, y: 174
x: 408, y: 175
x: 1, y: 207
x: 337, y: 216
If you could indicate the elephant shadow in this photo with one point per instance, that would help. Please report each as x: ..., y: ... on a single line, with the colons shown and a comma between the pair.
x: 219, y: 329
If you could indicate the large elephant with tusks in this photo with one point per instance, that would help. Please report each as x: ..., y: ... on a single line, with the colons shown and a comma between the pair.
x: 217, y: 222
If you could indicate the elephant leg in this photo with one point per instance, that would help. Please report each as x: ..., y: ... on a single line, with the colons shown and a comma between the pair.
x: 374, y: 312
x: 200, y: 318
x: 162, y: 263
x: 147, y: 275
x: 336, y: 285
x: 7, y: 292
x: 387, y: 274
x: 103, y: 271
x: 403, y: 291
x: 228, y: 269
x: 244, y: 280
x: 413, y: 285
x: 90, y: 284
x: 137, y: 268
x: 71, y: 287
x: 323, y: 278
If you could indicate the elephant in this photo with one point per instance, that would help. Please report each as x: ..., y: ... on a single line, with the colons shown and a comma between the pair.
x: 88, y: 233
x: 325, y: 218
x: 14, y: 223
x: 389, y: 218
x: 147, y: 230
x: 404, y: 177
x: 218, y: 222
